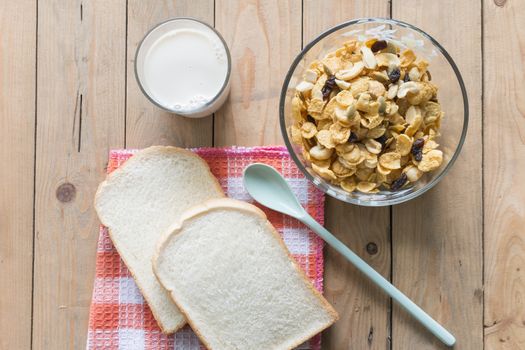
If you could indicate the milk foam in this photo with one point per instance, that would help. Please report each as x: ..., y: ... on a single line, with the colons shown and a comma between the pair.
x: 185, y: 68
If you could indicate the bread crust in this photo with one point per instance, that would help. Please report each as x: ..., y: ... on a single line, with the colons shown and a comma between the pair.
x: 228, y: 203
x: 168, y: 151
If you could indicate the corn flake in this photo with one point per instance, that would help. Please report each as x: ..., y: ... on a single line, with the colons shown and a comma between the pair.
x: 348, y: 185
x: 359, y: 86
x: 316, y: 106
x: 324, y: 137
x: 298, y: 109
x: 429, y: 146
x: 371, y: 121
x: 340, y: 134
x: 341, y: 170
x: 426, y: 92
x: 382, y: 170
x: 324, y: 124
x: 325, y: 173
x: 344, y: 98
x: 376, y: 132
x: 365, y: 186
x: 321, y: 163
x: 390, y: 160
x: 353, y: 157
x: 373, y: 146
x: 328, y: 111
x: 363, y: 173
x: 403, y: 145
x: 407, y: 57
x: 295, y: 134
x: 376, y: 88
x: 371, y: 160
x: 431, y: 161
x: 308, y: 130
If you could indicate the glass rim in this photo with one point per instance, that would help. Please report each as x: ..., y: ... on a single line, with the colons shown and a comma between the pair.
x: 326, y: 188
x: 207, y: 104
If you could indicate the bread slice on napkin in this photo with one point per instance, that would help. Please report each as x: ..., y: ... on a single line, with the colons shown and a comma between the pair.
x: 231, y: 275
x: 139, y: 201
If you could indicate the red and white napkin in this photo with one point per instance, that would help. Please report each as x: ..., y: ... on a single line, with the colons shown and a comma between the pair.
x: 120, y: 319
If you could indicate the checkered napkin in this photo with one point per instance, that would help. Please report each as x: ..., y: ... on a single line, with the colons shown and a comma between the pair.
x: 120, y: 319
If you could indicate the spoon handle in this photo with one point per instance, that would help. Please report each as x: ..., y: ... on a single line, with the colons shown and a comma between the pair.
x: 435, y: 328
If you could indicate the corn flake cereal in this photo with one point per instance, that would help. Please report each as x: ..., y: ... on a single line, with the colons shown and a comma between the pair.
x: 367, y: 117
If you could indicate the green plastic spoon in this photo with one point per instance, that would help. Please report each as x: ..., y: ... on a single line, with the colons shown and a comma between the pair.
x: 270, y: 189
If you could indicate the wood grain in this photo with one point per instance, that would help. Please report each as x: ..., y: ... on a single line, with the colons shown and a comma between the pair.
x: 17, y: 123
x: 263, y: 37
x: 322, y: 15
x: 437, y: 238
x: 80, y: 88
x: 85, y: 86
x: 364, y: 310
x: 147, y: 124
x: 504, y: 169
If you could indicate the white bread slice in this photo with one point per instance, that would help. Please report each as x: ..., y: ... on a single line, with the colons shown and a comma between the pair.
x: 139, y: 201
x: 231, y: 275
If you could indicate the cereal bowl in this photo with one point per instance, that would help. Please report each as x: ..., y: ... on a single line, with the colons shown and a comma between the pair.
x: 365, y: 120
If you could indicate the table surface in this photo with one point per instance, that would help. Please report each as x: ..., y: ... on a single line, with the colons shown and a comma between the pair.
x: 68, y: 94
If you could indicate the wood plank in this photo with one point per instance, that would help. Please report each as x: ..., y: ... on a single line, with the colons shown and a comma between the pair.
x: 504, y: 167
x: 17, y: 123
x: 146, y: 124
x: 81, y: 93
x: 263, y: 37
x: 364, y: 310
x: 437, y: 238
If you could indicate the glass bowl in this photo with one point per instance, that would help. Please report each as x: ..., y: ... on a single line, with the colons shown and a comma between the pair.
x: 445, y: 74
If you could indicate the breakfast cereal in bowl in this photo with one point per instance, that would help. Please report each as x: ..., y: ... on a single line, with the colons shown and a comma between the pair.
x: 365, y: 116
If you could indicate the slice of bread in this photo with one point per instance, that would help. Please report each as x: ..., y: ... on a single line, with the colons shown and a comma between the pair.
x: 231, y: 275
x: 139, y: 201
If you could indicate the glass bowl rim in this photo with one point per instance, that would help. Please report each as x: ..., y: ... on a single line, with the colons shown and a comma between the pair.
x: 151, y: 98
x: 299, y: 163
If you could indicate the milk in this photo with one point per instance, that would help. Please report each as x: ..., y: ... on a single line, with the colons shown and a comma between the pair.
x: 184, y: 67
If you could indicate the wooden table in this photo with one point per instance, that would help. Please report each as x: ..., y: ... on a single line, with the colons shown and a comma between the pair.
x: 68, y: 94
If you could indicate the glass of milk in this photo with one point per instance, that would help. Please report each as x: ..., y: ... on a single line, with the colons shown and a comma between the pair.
x: 183, y: 66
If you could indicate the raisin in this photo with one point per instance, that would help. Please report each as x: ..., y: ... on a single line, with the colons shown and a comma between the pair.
x: 418, y: 156
x: 378, y: 45
x: 310, y: 118
x: 406, y: 78
x: 429, y: 76
x: 397, y: 184
x: 352, y: 138
x: 382, y: 140
x: 418, y: 144
x: 328, y: 87
x: 417, y: 149
x: 394, y: 75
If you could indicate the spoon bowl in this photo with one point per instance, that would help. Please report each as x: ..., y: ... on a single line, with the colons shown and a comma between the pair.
x: 268, y: 187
